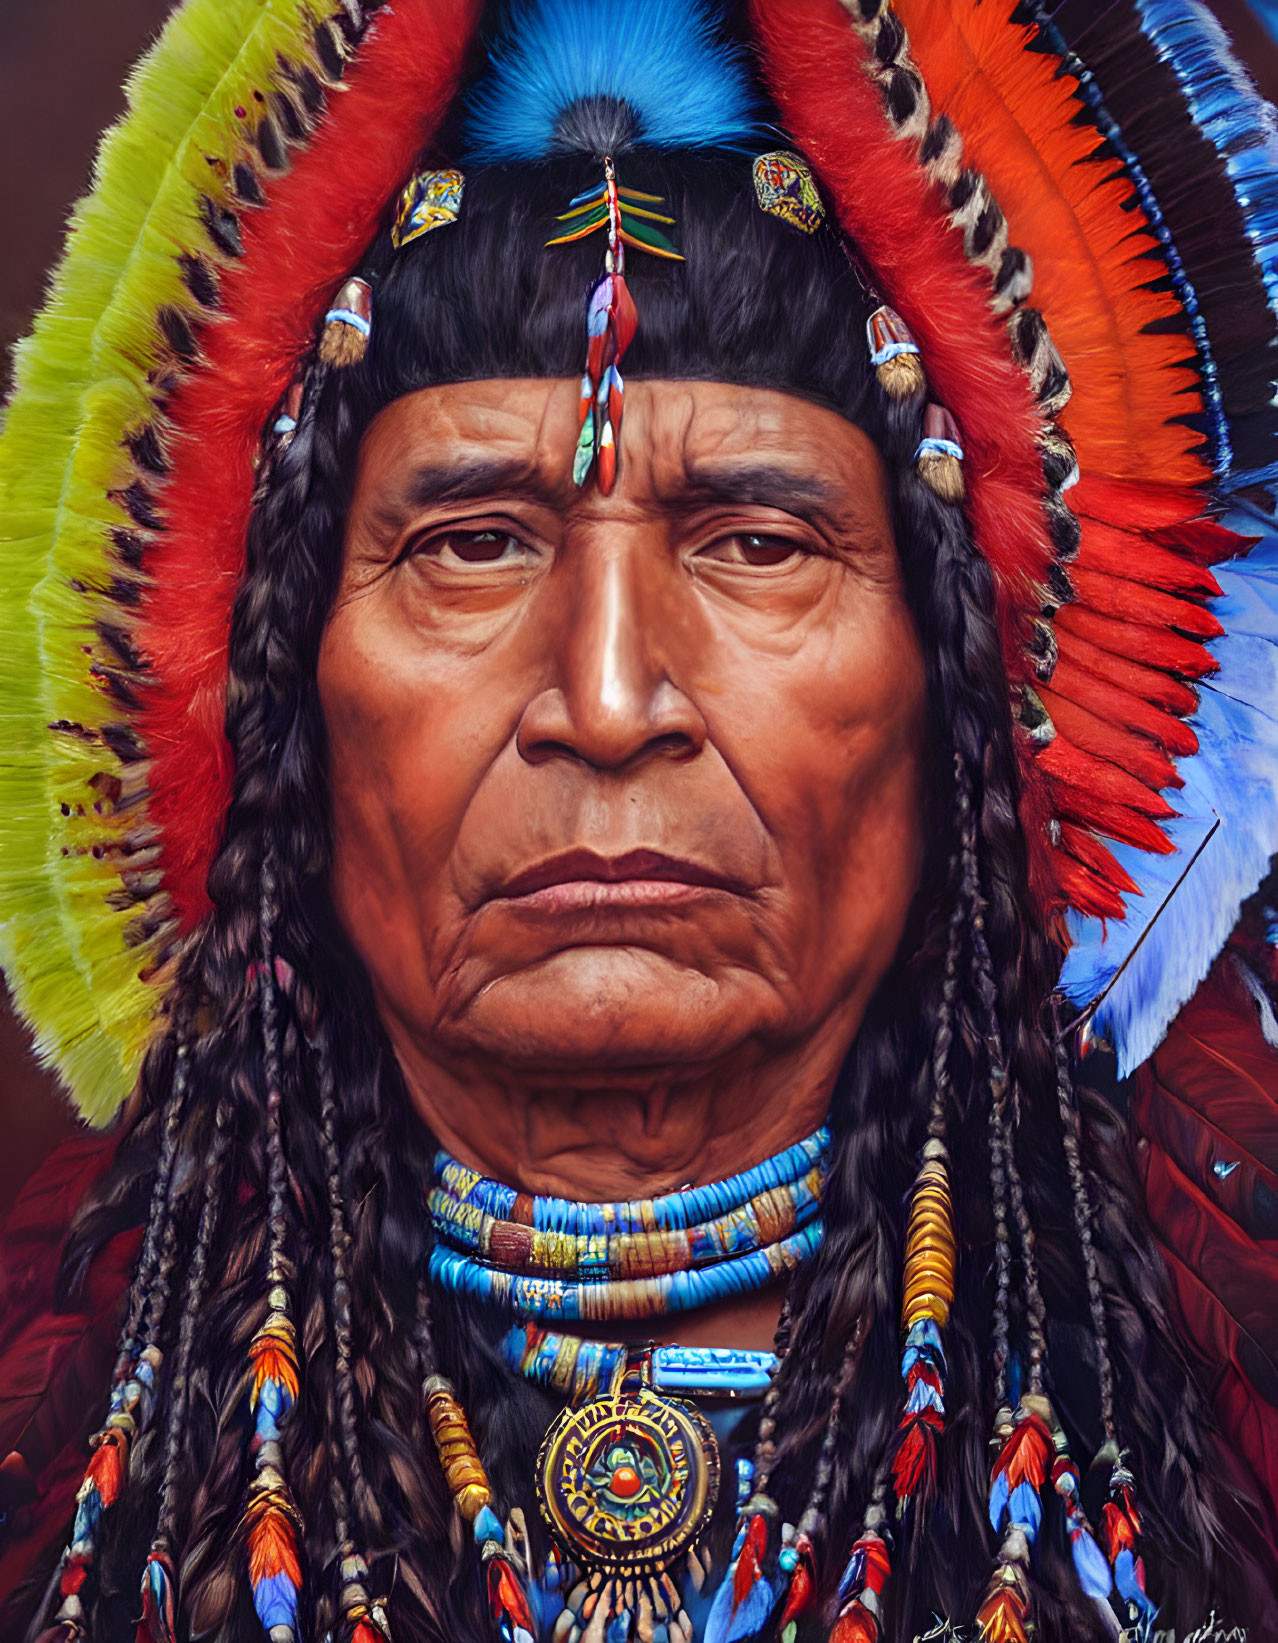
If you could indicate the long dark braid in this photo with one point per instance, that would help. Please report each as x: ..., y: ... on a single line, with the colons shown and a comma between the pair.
x: 358, y: 1457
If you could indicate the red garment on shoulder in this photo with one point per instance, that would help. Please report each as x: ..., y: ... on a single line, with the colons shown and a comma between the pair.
x: 1206, y: 1113
x: 54, y: 1366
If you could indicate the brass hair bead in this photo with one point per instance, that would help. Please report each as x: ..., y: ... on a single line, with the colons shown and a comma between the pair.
x: 458, y: 1457
x: 930, y: 1248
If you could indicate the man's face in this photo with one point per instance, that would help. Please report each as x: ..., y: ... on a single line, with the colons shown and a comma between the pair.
x: 631, y: 781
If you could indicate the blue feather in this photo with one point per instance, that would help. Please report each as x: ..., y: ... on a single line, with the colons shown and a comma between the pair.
x: 1233, y: 776
x: 1026, y: 1508
x: 724, y: 1624
x: 1092, y: 1566
x: 998, y: 1500
x: 1141, y: 1606
x: 275, y: 1599
x: 662, y: 58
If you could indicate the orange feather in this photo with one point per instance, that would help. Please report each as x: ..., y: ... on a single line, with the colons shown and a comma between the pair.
x: 272, y: 1546
x: 1092, y: 250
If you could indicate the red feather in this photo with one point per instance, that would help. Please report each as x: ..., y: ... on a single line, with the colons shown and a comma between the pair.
x: 506, y: 1596
x: 321, y: 215
x: 1086, y: 889
x: 1105, y: 697
x: 1089, y: 850
x: 802, y: 1587
x: 855, y: 1625
x: 1210, y: 1092
x: 106, y: 1469
x: 1156, y: 647
x: 1109, y: 738
x: 914, y: 1464
x: 1027, y: 1454
x: 1131, y: 557
x: 752, y: 1553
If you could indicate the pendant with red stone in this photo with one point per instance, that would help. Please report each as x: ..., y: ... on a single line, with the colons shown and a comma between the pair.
x: 626, y: 1484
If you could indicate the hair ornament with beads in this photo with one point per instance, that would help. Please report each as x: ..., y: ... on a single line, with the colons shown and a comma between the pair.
x: 939, y: 454
x: 894, y: 354
x: 347, y: 324
x: 628, y: 218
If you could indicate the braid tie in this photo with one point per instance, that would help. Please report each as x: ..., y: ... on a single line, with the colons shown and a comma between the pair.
x: 159, y: 1580
x: 745, y: 1597
x: 1120, y: 1516
x: 270, y: 1522
x: 1030, y: 1443
x: 797, y: 1558
x: 931, y: 1247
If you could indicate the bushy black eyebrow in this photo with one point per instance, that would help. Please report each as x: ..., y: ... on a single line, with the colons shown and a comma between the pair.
x: 756, y: 484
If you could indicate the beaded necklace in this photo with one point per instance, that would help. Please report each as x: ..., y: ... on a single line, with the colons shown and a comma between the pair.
x: 628, y: 1473
x: 552, y: 1258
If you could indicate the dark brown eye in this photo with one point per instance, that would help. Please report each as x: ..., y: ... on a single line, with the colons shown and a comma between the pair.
x: 483, y: 548
x: 747, y: 548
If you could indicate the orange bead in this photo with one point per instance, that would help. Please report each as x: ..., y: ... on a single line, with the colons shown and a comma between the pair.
x: 625, y: 1482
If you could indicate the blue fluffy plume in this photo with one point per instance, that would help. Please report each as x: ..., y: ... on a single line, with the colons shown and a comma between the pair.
x: 659, y: 64
x: 1234, y: 778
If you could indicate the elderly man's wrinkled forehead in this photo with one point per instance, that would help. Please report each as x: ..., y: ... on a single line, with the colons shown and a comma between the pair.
x: 686, y: 443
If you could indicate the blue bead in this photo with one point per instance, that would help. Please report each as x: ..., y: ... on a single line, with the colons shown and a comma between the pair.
x: 488, y: 1526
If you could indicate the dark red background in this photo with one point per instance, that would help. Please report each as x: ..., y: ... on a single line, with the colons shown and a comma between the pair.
x: 62, y: 63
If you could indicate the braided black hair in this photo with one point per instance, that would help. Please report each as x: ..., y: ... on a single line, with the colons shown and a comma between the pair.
x: 341, y: 1167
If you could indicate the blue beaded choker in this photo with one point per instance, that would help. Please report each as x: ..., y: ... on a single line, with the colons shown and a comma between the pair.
x: 545, y: 1259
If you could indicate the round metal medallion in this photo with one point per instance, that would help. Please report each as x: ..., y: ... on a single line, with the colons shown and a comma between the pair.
x: 626, y: 1482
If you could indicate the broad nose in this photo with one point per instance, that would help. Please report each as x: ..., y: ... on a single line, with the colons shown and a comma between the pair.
x: 611, y: 700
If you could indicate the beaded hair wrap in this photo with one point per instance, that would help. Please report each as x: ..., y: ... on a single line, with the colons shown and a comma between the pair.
x: 138, y: 1363
x: 271, y: 1524
x: 505, y: 1571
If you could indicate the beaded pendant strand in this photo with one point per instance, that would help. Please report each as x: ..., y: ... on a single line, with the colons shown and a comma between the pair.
x: 504, y: 1577
x: 611, y: 316
x: 271, y: 1523
x: 133, y: 1381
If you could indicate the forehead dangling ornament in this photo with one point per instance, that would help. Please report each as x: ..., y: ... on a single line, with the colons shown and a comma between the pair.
x: 611, y: 316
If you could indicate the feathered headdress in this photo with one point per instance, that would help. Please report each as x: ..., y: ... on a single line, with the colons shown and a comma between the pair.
x: 981, y: 165
x: 1073, y: 224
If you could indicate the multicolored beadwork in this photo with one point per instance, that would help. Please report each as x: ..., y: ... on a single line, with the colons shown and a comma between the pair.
x: 785, y: 187
x: 671, y: 1211
x: 607, y: 1300
x: 928, y: 1294
x: 579, y: 1369
x: 505, y: 1574
x: 611, y: 315
x: 768, y: 1218
x: 271, y: 1523
x: 431, y: 199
